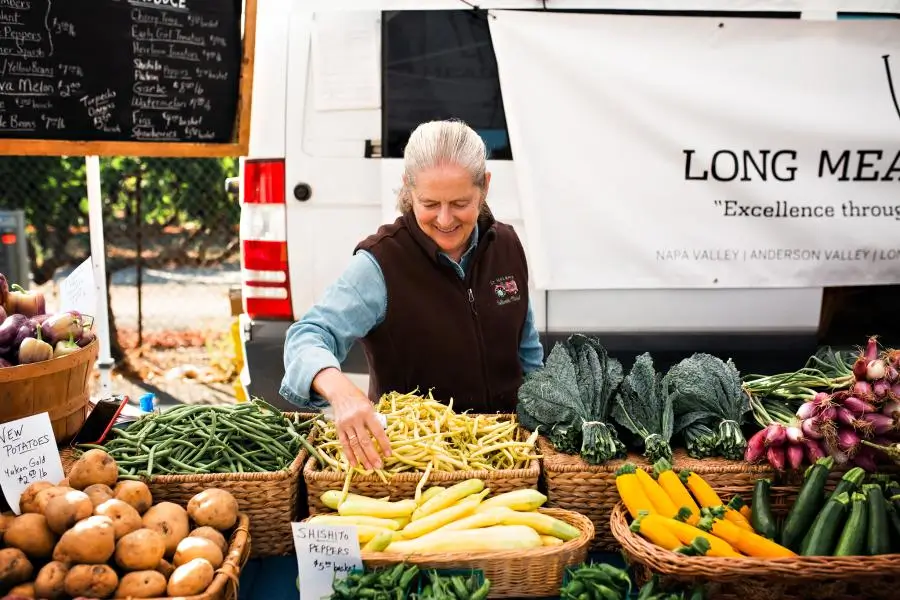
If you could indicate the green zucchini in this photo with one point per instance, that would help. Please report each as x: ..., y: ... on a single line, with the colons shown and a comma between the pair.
x: 853, y: 538
x: 761, y: 517
x: 823, y: 535
x: 878, y: 538
x: 807, y: 505
x: 894, y: 520
x: 850, y: 482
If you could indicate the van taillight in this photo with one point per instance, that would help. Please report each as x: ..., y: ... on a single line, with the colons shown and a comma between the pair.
x: 264, y: 261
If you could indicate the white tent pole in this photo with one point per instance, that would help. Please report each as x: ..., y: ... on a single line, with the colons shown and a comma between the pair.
x: 98, y: 260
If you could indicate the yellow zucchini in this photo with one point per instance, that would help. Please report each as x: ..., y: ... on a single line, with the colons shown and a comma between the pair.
x: 379, y: 542
x: 376, y: 508
x: 674, y: 488
x: 657, y: 495
x: 522, y: 500
x: 488, y: 539
x: 443, y: 517
x: 543, y: 524
x: 748, y: 542
x: 549, y: 540
x: 365, y: 533
x: 687, y: 533
x: 702, y: 491
x: 631, y: 492
x: 447, y: 497
x: 479, y: 519
x: 332, y: 519
x: 651, y: 527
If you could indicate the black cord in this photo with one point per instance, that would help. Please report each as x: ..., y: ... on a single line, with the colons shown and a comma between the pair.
x: 476, y: 8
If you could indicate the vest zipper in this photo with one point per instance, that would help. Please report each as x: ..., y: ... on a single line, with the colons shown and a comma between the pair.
x: 472, y: 302
x: 489, y: 400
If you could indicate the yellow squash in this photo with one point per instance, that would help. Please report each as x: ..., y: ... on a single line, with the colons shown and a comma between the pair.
x: 488, y: 539
x: 522, y: 500
x: 447, y: 498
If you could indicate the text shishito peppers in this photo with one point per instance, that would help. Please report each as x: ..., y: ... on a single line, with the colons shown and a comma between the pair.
x: 28, y: 334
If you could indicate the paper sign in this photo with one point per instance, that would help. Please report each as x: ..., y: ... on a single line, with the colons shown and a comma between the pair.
x: 27, y: 454
x: 78, y: 291
x: 324, y: 552
x: 346, y: 54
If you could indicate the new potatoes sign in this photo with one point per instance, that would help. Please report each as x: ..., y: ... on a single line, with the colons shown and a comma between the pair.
x: 667, y: 152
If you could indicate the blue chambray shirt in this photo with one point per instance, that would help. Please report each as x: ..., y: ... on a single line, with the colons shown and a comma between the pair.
x: 350, y: 308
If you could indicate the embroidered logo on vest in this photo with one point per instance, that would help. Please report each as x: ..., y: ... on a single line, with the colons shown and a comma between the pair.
x: 506, y: 290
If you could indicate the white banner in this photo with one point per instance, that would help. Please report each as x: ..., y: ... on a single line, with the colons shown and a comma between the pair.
x: 672, y: 152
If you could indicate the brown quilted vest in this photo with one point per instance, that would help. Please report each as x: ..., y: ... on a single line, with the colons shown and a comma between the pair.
x: 457, y: 337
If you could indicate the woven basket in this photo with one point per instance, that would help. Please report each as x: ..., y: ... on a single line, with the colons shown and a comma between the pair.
x: 820, y: 577
x: 533, y: 573
x: 403, y: 485
x: 224, y: 585
x: 59, y: 387
x: 270, y: 500
x: 573, y: 484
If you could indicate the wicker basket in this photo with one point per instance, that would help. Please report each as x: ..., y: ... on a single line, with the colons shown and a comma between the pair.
x: 224, y: 585
x: 59, y: 387
x: 533, y: 573
x: 573, y: 484
x: 270, y: 500
x: 821, y: 577
x: 403, y: 485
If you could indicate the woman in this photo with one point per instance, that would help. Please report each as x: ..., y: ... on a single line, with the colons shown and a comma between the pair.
x: 439, y: 300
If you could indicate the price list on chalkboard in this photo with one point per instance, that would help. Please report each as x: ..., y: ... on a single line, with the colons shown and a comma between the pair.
x: 120, y: 70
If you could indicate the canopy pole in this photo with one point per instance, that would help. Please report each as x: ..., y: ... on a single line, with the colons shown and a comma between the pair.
x: 98, y: 260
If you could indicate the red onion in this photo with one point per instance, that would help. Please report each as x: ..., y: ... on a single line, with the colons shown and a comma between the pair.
x: 848, y: 441
x: 894, y: 392
x: 794, y: 434
x: 794, y: 456
x: 891, y: 407
x: 862, y: 389
x: 814, y: 450
x: 859, y: 368
x: 871, y: 348
x: 860, y: 407
x: 876, y: 369
x: 865, y: 459
x: 775, y: 434
x: 846, y: 417
x: 881, y: 424
x: 881, y: 388
x: 775, y: 456
x: 807, y: 410
x: 821, y: 399
x: 756, y: 447
x: 811, y: 429
x: 828, y: 414
x: 891, y: 374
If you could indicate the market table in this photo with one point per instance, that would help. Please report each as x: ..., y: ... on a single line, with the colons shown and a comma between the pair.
x: 273, y: 578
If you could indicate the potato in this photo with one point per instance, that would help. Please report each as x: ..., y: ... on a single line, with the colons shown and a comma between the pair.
x: 140, y: 550
x: 190, y: 578
x: 93, y: 581
x: 24, y: 590
x: 99, y: 493
x: 15, y: 568
x: 166, y: 568
x: 213, y: 535
x: 30, y: 534
x: 213, y: 507
x: 28, y: 499
x: 135, y: 493
x: 197, y: 547
x: 65, y: 510
x: 94, y: 466
x: 170, y: 520
x: 124, y: 517
x: 6, y: 520
x: 90, y: 541
x: 46, y: 495
x: 141, y: 584
x: 64, y: 482
x: 50, y: 582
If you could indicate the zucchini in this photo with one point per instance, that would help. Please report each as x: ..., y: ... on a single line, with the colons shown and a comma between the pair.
x: 853, y: 538
x: 878, y: 537
x: 761, y: 517
x: 894, y: 520
x: 850, y: 482
x: 822, y: 536
x: 807, y: 505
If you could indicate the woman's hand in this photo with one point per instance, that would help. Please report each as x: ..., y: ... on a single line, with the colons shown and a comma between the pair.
x: 354, y: 419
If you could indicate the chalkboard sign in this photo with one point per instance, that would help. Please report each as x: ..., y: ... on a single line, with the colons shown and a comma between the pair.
x: 144, y: 77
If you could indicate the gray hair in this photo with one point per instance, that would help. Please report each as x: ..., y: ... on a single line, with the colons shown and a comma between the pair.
x: 438, y: 143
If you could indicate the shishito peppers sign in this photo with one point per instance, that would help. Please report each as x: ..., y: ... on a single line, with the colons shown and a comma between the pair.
x: 661, y: 152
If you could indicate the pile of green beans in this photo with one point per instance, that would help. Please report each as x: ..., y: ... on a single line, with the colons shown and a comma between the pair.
x: 252, y: 437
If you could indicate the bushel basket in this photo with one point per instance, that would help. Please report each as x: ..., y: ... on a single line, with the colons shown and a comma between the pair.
x: 820, y: 577
x: 573, y: 484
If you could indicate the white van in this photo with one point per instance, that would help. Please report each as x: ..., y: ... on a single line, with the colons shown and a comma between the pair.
x: 321, y: 176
